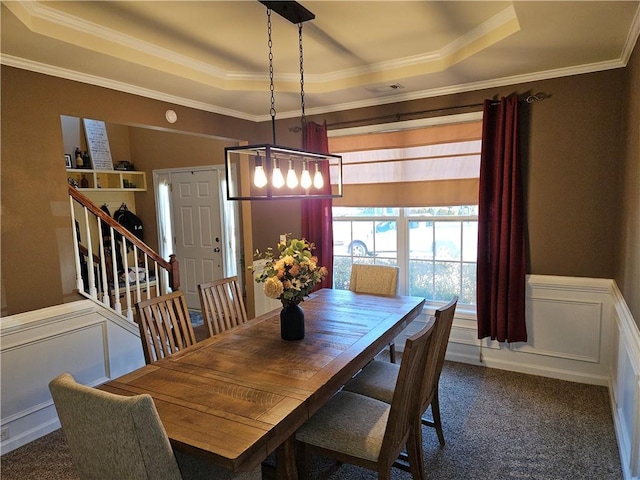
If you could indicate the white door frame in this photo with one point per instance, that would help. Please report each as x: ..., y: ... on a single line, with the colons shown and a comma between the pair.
x: 230, y: 265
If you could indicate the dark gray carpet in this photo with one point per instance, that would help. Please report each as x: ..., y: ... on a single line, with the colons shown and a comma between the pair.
x: 498, y: 425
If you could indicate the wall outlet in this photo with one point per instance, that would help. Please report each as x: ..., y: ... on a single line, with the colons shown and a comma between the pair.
x: 4, y: 434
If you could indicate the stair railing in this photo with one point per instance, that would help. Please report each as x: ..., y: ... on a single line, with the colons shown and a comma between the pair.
x: 101, y: 275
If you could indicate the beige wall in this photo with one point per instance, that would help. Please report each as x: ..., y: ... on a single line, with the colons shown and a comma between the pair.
x: 576, y: 151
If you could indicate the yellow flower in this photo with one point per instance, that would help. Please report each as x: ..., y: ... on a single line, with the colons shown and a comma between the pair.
x: 288, y: 260
x: 273, y: 287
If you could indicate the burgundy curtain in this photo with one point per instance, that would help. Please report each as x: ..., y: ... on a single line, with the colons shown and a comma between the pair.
x: 501, y: 241
x: 317, y: 219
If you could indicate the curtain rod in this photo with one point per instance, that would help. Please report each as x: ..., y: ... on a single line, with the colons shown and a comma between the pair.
x: 396, y: 117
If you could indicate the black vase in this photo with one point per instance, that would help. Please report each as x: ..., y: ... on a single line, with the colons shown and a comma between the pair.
x: 292, y: 322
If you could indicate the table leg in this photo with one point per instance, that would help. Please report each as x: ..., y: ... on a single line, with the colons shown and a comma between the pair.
x: 286, y: 460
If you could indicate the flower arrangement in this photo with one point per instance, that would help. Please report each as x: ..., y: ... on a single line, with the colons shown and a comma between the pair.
x: 292, y: 275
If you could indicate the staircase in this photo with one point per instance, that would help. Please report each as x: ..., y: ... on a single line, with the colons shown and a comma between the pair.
x: 113, y: 266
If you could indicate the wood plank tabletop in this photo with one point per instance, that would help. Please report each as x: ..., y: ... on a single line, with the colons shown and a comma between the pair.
x: 236, y: 397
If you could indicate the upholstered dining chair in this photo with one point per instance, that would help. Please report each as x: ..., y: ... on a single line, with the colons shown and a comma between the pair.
x: 165, y: 325
x: 367, y: 432
x: 114, y: 437
x: 222, y: 304
x: 378, y: 379
x: 377, y: 280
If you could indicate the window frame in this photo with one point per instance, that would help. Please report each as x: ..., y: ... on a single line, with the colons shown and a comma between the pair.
x: 402, y: 254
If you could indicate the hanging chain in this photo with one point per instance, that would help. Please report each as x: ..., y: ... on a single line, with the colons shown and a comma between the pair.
x: 303, y: 120
x: 272, y: 111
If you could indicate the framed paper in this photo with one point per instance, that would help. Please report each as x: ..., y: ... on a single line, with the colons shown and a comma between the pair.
x: 98, y: 143
x: 67, y: 161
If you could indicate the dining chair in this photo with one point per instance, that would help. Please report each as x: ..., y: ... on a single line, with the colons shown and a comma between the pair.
x: 113, y: 437
x: 378, y: 379
x: 165, y: 325
x: 367, y: 432
x: 377, y: 280
x: 222, y: 304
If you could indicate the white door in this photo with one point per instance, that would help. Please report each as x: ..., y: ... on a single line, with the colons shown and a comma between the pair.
x: 195, y: 202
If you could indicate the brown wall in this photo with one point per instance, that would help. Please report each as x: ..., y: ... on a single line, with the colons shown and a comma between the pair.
x: 572, y: 144
x: 158, y: 149
x: 627, y: 273
x: 575, y: 152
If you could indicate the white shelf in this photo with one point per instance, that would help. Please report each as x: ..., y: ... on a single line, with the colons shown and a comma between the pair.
x: 111, y: 180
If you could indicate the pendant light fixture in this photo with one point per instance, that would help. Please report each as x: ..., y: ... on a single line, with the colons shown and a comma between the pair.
x: 254, y: 172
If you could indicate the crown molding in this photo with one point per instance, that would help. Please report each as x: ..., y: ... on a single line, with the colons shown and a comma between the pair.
x: 403, y: 97
x: 469, y: 87
x: 67, y: 74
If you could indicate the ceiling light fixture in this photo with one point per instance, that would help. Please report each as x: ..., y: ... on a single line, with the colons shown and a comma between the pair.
x: 253, y: 171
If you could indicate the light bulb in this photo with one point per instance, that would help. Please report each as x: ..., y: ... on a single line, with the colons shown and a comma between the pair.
x: 318, y: 181
x: 292, y: 178
x: 277, y: 179
x: 305, y: 178
x: 259, y: 177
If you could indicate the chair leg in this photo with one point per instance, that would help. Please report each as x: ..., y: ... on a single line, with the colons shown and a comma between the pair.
x: 437, y: 421
x: 392, y: 352
x: 414, y: 451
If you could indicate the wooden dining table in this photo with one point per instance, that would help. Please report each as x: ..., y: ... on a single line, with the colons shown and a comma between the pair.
x: 235, y: 398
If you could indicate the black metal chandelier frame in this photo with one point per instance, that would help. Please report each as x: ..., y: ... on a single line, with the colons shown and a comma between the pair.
x: 263, y: 162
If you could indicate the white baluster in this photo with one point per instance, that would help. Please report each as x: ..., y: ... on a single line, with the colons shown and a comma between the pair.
x: 92, y: 278
x: 117, y: 305
x: 76, y: 249
x: 127, y: 287
x: 103, y: 267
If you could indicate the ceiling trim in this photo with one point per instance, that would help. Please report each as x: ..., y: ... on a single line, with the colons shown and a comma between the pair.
x: 632, y: 38
x: 48, y: 21
x: 461, y: 88
x: 396, y: 98
x: 67, y: 74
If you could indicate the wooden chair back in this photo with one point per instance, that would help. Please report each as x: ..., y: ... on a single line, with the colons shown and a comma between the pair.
x: 165, y: 325
x: 407, y: 401
x: 374, y: 279
x: 222, y: 304
x: 436, y: 355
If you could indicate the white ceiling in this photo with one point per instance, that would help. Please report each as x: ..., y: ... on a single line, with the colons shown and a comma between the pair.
x: 213, y: 55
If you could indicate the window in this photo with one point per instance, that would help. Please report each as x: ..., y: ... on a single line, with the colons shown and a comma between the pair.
x: 410, y: 200
x: 435, y: 248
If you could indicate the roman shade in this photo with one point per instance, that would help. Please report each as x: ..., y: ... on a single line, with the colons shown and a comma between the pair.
x: 434, y: 165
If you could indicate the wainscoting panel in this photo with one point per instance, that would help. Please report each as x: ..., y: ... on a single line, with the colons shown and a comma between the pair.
x: 82, y: 338
x: 563, y: 328
x: 568, y: 326
x: 580, y: 330
x: 625, y: 386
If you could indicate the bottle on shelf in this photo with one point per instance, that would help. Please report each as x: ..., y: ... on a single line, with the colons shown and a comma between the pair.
x: 86, y: 160
x: 79, y: 159
x: 84, y: 183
